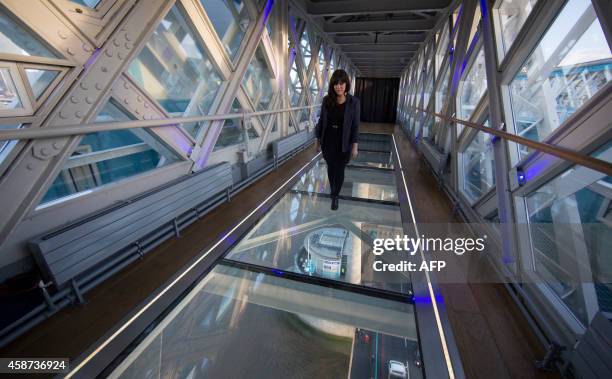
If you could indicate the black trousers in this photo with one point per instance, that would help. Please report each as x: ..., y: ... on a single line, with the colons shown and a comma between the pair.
x: 336, y: 163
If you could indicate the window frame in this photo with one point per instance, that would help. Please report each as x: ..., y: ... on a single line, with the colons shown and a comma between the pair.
x: 562, y: 135
x: 481, y: 115
x: 178, y: 168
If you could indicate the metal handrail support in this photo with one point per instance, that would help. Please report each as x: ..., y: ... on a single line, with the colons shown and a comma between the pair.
x: 70, y: 130
x: 557, y: 151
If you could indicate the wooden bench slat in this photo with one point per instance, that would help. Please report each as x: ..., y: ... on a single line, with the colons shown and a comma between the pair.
x: 65, y: 254
x: 76, y: 232
x: 109, y: 224
x: 597, y: 343
x: 130, y: 230
x: 583, y: 367
x: 591, y: 355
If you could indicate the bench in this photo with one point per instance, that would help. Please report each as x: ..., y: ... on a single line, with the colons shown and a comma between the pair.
x: 286, y: 147
x: 82, y: 252
x: 592, y: 355
x: 434, y: 157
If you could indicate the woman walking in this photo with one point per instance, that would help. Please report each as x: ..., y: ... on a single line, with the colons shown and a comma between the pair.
x: 338, y: 130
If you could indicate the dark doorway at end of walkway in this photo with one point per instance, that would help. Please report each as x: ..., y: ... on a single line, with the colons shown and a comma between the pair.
x: 378, y: 98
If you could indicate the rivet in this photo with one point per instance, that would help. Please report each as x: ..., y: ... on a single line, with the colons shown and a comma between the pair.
x: 44, y: 152
x: 120, y: 55
x: 126, y: 100
x: 78, y: 114
x: 146, y: 105
x: 63, y: 115
x: 103, y: 69
x: 84, y: 86
x: 108, y: 53
x: 89, y: 100
x: 126, y: 85
x: 137, y: 111
x: 29, y: 166
x: 99, y: 86
x: 86, y: 48
x: 116, y: 43
x: 74, y: 99
x: 127, y: 37
x: 56, y: 145
x: 61, y: 34
x: 70, y: 51
x: 128, y: 45
x: 139, y: 98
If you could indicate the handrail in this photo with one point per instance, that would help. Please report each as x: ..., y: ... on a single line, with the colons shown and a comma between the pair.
x: 70, y: 130
x: 559, y: 152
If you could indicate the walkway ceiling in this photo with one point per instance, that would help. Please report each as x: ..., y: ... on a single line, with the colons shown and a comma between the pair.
x: 379, y: 36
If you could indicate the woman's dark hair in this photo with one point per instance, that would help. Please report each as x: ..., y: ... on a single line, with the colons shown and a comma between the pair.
x: 339, y: 76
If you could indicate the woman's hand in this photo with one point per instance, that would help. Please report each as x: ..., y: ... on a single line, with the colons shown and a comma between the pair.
x: 354, y: 151
x: 318, y: 145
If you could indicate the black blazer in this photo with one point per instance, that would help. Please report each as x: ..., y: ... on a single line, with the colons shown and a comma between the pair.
x: 350, y: 127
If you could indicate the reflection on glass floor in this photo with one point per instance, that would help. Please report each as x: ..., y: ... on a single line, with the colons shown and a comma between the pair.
x: 302, y: 235
x: 358, y: 182
x: 244, y: 319
x: 237, y: 323
x: 373, y: 159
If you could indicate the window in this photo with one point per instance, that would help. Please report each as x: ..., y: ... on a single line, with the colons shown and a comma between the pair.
x: 7, y: 146
x: 456, y: 14
x: 305, y: 46
x: 442, y: 88
x: 271, y: 23
x: 87, y: 3
x: 9, y: 97
x: 472, y: 87
x: 14, y: 97
x: 428, y: 90
x: 427, y: 132
x: 475, y: 23
x: 478, y: 166
x: 230, y: 20
x: 258, y: 81
x: 430, y: 58
x: 571, y: 63
x: 232, y: 131
x: 314, y: 88
x: 106, y: 157
x: 174, y: 69
x: 305, y: 113
x: 40, y: 80
x: 510, y: 16
x: 442, y: 48
x: 322, y: 59
x: 295, y: 85
x: 571, y: 229
x: 15, y: 39
x: 419, y: 66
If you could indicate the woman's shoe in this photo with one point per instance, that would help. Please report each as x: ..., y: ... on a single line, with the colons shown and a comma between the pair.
x: 334, y: 204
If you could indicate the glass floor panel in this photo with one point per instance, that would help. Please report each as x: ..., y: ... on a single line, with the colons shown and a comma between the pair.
x: 302, y: 234
x: 374, y: 143
x: 237, y: 323
x: 359, y: 183
x: 372, y: 159
x: 245, y: 321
